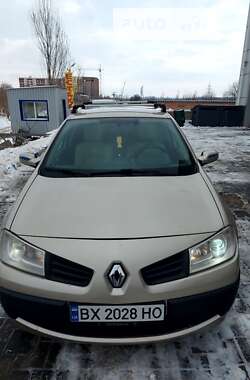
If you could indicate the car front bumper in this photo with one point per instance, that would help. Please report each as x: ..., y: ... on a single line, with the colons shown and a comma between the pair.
x: 184, y: 316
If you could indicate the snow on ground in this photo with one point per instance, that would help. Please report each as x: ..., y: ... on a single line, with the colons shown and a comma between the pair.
x: 233, y: 146
x: 219, y: 353
x: 9, y: 158
x: 4, y: 124
x: 13, y: 175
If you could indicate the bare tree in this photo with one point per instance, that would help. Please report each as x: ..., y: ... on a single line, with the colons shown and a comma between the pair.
x: 3, y: 98
x: 51, y: 38
x: 232, y: 91
x: 78, y: 79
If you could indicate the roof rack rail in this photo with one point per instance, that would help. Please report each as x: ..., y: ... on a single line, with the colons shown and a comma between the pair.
x: 162, y: 106
x: 76, y: 106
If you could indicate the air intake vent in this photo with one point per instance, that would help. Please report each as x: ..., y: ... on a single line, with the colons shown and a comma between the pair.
x: 170, y: 269
x: 66, y: 271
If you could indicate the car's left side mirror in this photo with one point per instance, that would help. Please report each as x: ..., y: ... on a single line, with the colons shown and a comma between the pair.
x: 32, y: 159
x: 207, y: 158
x: 29, y: 159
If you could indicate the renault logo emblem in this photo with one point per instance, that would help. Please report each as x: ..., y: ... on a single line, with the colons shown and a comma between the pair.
x: 117, y: 276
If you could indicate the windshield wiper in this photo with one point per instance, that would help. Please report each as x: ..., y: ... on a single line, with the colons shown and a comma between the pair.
x: 131, y: 172
x: 58, y: 172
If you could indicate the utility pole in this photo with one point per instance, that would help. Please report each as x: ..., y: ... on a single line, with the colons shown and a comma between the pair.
x: 100, y: 80
x: 142, y: 92
x: 123, y: 88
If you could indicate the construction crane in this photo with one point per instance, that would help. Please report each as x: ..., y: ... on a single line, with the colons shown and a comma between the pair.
x: 100, y: 71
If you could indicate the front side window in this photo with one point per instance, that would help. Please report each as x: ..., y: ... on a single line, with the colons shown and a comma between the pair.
x: 118, y: 146
x: 34, y: 110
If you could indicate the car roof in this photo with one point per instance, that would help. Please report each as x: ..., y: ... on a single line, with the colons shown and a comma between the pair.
x: 135, y: 111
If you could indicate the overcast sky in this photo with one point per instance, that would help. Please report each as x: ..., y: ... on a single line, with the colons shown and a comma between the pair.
x: 181, y: 55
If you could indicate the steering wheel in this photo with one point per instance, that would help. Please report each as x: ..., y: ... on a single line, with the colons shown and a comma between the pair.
x: 157, y: 147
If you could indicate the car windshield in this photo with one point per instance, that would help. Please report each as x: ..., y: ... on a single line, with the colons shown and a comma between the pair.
x: 118, y: 146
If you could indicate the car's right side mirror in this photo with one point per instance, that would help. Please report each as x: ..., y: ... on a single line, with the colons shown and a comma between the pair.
x: 207, y: 158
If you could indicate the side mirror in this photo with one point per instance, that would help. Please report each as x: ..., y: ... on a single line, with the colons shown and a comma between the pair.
x: 29, y: 159
x: 207, y: 158
x: 32, y: 159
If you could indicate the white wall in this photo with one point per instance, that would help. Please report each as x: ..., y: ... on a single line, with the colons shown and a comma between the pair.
x: 244, y: 83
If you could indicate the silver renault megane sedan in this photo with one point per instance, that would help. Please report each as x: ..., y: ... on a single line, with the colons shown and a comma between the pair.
x: 119, y: 235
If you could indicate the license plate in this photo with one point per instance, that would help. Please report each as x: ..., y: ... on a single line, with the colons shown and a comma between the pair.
x: 117, y: 313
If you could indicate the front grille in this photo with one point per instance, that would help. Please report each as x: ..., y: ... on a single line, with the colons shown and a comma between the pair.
x: 66, y: 271
x: 182, y: 313
x: 170, y: 269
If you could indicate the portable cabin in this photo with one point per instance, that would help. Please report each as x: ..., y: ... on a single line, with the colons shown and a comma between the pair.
x: 34, y: 111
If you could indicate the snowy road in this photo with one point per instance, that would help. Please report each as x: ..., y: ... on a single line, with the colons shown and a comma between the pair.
x: 220, y: 353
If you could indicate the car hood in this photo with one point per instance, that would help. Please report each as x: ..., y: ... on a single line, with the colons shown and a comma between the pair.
x: 117, y: 207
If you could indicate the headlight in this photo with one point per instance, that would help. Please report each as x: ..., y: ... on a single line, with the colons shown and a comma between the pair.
x: 219, y: 248
x: 16, y: 253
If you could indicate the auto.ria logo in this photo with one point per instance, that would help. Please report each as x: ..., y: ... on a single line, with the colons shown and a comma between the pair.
x: 117, y: 276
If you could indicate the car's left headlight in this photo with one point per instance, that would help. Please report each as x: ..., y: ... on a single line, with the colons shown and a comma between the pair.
x: 219, y: 248
x: 21, y: 255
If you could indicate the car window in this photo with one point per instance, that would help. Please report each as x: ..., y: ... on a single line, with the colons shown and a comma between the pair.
x: 118, y: 146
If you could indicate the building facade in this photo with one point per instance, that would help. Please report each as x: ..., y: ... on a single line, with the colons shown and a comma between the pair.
x: 244, y: 82
x: 38, y: 82
x: 83, y: 85
x: 88, y: 86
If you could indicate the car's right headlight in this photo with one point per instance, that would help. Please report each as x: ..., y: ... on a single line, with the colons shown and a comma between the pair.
x: 21, y: 255
x: 217, y: 249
